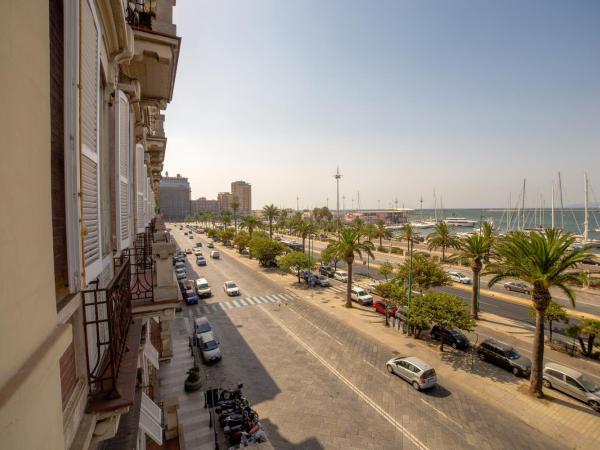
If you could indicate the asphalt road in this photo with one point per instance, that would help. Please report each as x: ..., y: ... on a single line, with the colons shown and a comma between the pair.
x: 318, y: 383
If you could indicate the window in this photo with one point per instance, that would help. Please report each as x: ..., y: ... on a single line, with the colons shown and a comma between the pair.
x: 555, y: 374
x: 573, y: 383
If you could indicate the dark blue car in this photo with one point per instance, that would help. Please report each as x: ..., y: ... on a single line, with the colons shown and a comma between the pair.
x: 191, y: 299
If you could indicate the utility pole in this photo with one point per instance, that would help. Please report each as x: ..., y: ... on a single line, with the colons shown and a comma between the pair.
x: 337, y: 177
x: 297, y: 203
x: 327, y: 202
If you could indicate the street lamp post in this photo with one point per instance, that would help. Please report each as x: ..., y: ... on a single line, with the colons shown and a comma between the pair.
x: 410, y: 261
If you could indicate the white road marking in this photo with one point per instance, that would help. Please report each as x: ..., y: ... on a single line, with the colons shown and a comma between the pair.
x: 229, y: 305
x: 222, y: 305
x: 215, y: 307
x: 374, y: 366
x: 411, y: 437
x: 236, y: 303
x: 271, y: 299
x: 442, y: 413
x: 287, y: 296
x: 242, y: 302
x: 250, y: 301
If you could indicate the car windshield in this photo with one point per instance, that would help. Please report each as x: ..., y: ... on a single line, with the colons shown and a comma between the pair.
x: 588, y: 384
x: 210, y: 345
x: 456, y: 333
x: 202, y: 285
x: 230, y: 284
x: 203, y: 328
x: 511, y: 354
x: 361, y: 292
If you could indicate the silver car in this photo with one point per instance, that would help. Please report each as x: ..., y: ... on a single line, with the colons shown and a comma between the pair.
x: 414, y: 370
x: 573, y: 383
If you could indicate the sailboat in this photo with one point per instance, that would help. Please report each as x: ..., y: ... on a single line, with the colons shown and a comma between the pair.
x: 585, y: 239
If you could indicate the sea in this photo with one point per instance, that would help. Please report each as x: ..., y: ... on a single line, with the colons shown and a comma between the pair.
x: 568, y: 219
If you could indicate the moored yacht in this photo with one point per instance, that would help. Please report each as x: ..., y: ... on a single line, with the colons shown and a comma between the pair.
x: 459, y: 222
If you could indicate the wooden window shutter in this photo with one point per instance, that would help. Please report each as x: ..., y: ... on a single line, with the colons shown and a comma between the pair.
x: 90, y: 163
x: 145, y: 201
x: 122, y: 161
x: 140, y: 179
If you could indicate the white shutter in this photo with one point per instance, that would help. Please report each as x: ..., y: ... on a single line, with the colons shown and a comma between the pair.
x: 151, y: 419
x: 90, y: 178
x: 123, y: 140
x: 146, y: 183
x: 140, y: 180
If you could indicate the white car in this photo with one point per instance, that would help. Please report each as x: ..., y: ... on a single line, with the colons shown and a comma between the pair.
x: 215, y: 254
x: 210, y: 350
x: 458, y: 277
x: 197, y: 251
x: 231, y: 288
x: 361, y: 296
x: 202, y: 288
x: 341, y: 275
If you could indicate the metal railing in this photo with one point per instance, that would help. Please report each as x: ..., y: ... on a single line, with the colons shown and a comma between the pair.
x: 142, y: 267
x: 139, y: 14
x: 106, y: 321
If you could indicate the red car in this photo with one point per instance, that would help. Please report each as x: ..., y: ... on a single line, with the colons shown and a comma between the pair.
x: 380, y: 308
x: 188, y: 251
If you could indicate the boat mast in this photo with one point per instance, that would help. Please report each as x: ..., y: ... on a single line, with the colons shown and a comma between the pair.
x: 552, y: 204
x: 585, y: 206
x: 523, y: 207
x: 435, y: 206
x: 509, y: 212
x: 562, y: 209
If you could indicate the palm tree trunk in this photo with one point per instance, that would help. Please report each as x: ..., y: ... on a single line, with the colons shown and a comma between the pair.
x: 380, y: 242
x: 550, y: 330
x: 303, y: 244
x: 537, y: 357
x: 350, y: 262
x: 474, y: 309
x: 270, y: 229
x: 443, y: 253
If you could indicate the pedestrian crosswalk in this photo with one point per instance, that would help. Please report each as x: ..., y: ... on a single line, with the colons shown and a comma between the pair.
x: 208, y: 308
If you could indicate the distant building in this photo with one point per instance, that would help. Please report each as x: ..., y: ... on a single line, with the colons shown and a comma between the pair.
x: 397, y: 216
x: 242, y: 191
x: 175, y: 197
x: 202, y: 205
x: 224, y: 201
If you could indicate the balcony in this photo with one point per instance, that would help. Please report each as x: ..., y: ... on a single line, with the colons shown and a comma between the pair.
x: 112, y: 340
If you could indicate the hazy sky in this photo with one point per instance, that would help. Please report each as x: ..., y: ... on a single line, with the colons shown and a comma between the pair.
x: 464, y: 97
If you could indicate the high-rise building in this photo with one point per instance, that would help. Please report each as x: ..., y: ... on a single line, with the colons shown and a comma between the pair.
x: 242, y: 192
x: 202, y: 204
x: 175, y: 197
x: 81, y: 345
x: 224, y: 200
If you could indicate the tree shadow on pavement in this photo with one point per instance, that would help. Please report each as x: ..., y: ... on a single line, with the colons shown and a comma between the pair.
x: 467, y: 362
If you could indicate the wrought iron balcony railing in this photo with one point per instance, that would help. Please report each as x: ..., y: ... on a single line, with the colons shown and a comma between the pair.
x: 142, y: 267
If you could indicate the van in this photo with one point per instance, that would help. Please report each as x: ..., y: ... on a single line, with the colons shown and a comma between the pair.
x: 573, y: 383
x: 361, y: 296
x: 203, y: 330
x: 215, y: 254
x: 202, y: 288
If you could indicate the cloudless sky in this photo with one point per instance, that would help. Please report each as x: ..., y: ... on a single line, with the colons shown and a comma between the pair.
x: 464, y: 97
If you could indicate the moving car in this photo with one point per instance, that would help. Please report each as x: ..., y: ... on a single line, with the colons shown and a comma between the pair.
x: 380, y: 308
x: 452, y: 337
x: 202, y: 288
x: 458, y: 277
x: 231, y: 288
x: 573, y: 383
x: 191, y: 236
x: 215, y: 254
x: 341, y: 275
x: 328, y: 271
x: 210, y: 245
x: 198, y: 244
x: 210, y: 350
x: 505, y: 356
x: 203, y: 330
x: 197, y: 251
x: 515, y: 286
x: 322, y: 281
x: 414, y: 370
x: 200, y: 260
x: 361, y: 296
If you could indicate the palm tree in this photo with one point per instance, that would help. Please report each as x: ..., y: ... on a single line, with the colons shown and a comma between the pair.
x: 235, y: 205
x: 382, y: 232
x: 475, y: 248
x: 226, y: 219
x: 408, y: 234
x: 442, y: 238
x: 270, y: 212
x: 348, y: 245
x: 250, y: 223
x: 304, y: 228
x: 544, y: 260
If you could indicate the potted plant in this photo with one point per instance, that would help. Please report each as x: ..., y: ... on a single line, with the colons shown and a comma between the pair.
x: 193, y: 382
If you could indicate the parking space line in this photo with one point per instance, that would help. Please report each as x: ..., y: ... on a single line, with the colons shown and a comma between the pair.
x: 348, y: 383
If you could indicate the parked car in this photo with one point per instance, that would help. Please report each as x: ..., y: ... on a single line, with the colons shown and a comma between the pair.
x: 452, y: 337
x: 414, y: 370
x: 188, y: 251
x: 210, y: 350
x: 210, y: 245
x: 191, y: 236
x: 198, y: 244
x: 423, y: 254
x: 179, y: 265
x: 516, y: 286
x: 185, y: 233
x: 328, y: 271
x: 341, y: 275
x: 322, y: 281
x: 203, y: 330
x: 202, y: 288
x: 200, y: 260
x: 231, y: 288
x: 505, y: 356
x: 591, y: 260
x: 215, y: 254
x: 361, y: 296
x: 380, y: 307
x: 458, y: 277
x: 573, y: 383
x: 180, y: 274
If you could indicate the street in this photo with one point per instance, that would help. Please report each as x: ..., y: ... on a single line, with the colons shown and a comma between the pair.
x: 318, y: 383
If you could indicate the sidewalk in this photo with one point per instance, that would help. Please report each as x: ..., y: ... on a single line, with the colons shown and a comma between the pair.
x: 565, y: 419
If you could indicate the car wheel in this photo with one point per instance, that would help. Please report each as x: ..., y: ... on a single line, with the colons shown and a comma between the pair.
x: 547, y: 383
x: 389, y: 369
x: 481, y: 356
x: 594, y: 405
x: 416, y: 385
x: 516, y: 372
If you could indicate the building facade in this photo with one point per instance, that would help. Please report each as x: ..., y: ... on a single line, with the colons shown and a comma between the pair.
x: 175, y: 197
x: 85, y: 273
x: 242, y: 192
x: 202, y: 205
x: 398, y: 216
x: 224, y: 200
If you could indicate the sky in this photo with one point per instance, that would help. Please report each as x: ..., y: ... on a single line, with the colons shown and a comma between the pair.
x: 466, y: 98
